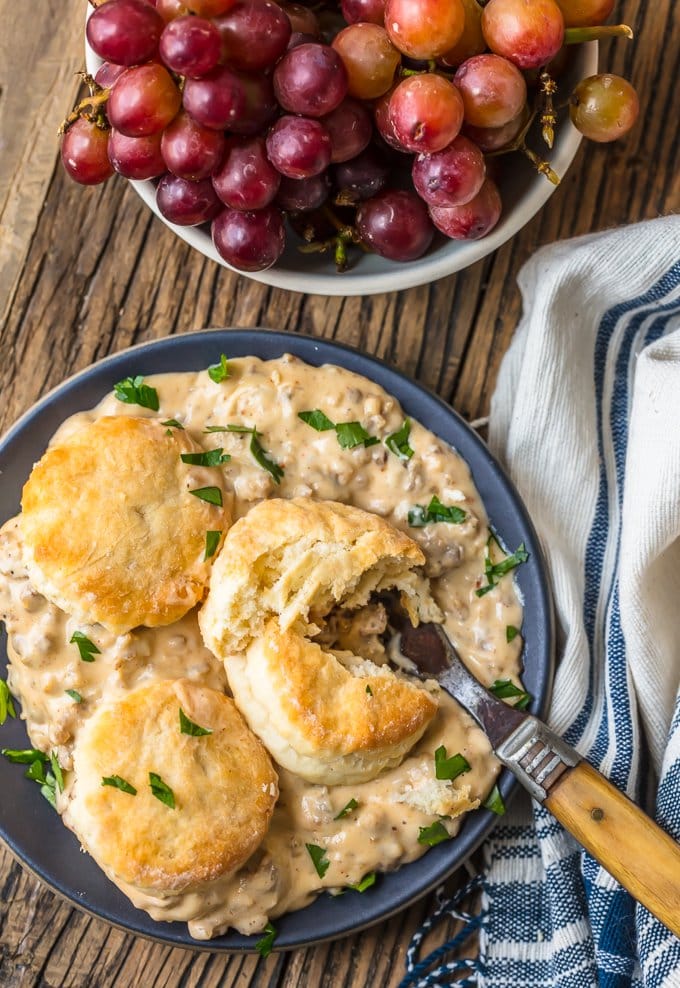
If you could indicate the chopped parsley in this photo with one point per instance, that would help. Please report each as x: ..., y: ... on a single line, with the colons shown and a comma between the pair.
x: 75, y: 695
x: 319, y: 859
x: 231, y: 428
x: 213, y: 495
x: 48, y: 790
x: 366, y: 882
x: 265, y: 943
x: 37, y: 763
x: 87, y: 648
x: 56, y: 768
x: 264, y: 461
x: 212, y: 540
x: 505, y: 689
x: 36, y: 772
x: 347, y: 809
x: 173, y: 423
x: 494, y: 802
x: 397, y: 442
x: 161, y: 790
x: 351, y: 434
x: 511, y: 633
x: 419, y: 516
x: 435, y: 834
x: 209, y: 458
x: 219, y: 372
x: 187, y: 726
x: 494, y: 571
x: 7, y: 708
x: 133, y: 391
x: 23, y: 756
x: 449, y: 768
x: 369, y: 691
x: 317, y: 419
x: 118, y: 783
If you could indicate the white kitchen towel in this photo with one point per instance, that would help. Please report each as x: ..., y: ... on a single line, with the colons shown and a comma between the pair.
x: 586, y: 418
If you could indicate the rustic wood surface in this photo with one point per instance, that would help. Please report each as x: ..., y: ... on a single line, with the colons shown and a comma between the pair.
x: 87, y: 272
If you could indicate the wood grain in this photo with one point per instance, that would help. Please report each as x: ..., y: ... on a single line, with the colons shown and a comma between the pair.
x: 85, y: 272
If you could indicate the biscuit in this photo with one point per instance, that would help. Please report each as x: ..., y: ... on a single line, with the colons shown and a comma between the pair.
x: 112, y: 533
x: 329, y: 716
x: 223, y: 784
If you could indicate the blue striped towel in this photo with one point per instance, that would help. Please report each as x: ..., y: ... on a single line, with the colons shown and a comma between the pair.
x: 586, y: 417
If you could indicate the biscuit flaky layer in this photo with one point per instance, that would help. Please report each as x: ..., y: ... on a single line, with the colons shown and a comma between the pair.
x: 285, y: 565
x: 112, y: 533
x: 223, y: 783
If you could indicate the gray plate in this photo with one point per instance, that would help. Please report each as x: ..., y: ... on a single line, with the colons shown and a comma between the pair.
x: 27, y: 822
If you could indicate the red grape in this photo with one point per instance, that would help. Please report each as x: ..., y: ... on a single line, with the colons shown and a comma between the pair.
x: 424, y: 28
x: 260, y: 107
x: 84, y: 153
x: 450, y: 177
x: 381, y: 113
x: 299, y: 147
x: 366, y: 11
x: 585, y: 13
x: 302, y: 19
x: 249, y: 241
x: 246, y: 178
x: 190, y: 150
x: 474, y: 219
x: 190, y: 46
x: 310, y: 79
x: 350, y: 130
x: 136, y: 157
x: 187, y: 203
x: 396, y: 225
x: 143, y: 100
x: 125, y: 32
x: 493, y: 90
x: 254, y: 34
x: 107, y: 73
x: 362, y: 177
x: 369, y: 57
x: 604, y: 107
x: 471, y: 41
x: 170, y: 9
x: 495, y: 138
x: 209, y: 8
x: 217, y: 99
x: 528, y: 32
x: 300, y: 194
x: 426, y: 112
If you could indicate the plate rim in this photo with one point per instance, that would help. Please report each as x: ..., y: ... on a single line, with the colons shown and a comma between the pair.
x: 304, y: 346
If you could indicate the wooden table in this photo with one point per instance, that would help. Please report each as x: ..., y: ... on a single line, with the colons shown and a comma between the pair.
x: 87, y: 272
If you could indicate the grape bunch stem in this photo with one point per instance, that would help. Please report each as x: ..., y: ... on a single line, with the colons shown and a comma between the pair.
x: 577, y: 35
x: 91, y: 107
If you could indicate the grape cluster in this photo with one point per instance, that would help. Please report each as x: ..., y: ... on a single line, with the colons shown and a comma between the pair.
x: 371, y: 125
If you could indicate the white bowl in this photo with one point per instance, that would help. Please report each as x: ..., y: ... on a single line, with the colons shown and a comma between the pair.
x: 523, y: 193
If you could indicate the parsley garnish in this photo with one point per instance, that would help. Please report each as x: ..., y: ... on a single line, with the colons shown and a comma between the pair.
x: 56, y: 768
x: 494, y: 802
x: 161, y: 790
x: 23, y: 756
x: 75, y: 695
x: 317, y: 419
x: 187, y: 726
x: 37, y: 763
x: 7, y: 708
x: 351, y: 434
x: 48, y: 790
x: 213, y: 495
x: 449, y: 768
x: 87, y: 648
x: 230, y: 428
x: 346, y: 810
x: 118, y: 783
x: 319, y: 859
x: 210, y: 458
x: 435, y: 834
x: 494, y: 571
x: 36, y: 772
x: 511, y: 633
x: 504, y: 689
x: 173, y: 423
x: 265, y: 943
x: 397, y: 443
x: 133, y: 391
x: 369, y: 691
x: 212, y: 540
x: 365, y: 882
x: 261, y: 457
x: 435, y: 512
x: 219, y: 372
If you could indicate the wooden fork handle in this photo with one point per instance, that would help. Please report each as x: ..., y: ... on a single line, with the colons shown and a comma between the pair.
x: 632, y: 848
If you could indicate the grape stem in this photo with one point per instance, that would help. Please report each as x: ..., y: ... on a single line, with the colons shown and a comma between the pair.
x: 339, y: 243
x: 91, y: 107
x: 577, y: 35
x: 519, y: 144
x: 548, y: 118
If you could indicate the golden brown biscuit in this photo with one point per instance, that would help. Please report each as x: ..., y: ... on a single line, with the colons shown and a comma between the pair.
x: 223, y: 784
x: 113, y: 534
x: 329, y: 716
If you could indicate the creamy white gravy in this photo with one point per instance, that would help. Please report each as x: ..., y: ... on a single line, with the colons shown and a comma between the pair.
x: 382, y: 833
